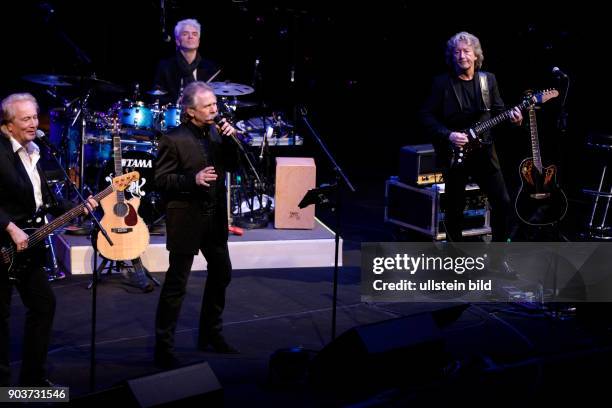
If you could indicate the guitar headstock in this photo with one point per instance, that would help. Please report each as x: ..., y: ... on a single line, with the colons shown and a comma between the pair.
x: 542, y: 96
x: 120, y: 183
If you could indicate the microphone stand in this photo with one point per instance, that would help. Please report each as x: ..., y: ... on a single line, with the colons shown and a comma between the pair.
x: 339, y: 176
x: 92, y: 370
x: 562, y: 121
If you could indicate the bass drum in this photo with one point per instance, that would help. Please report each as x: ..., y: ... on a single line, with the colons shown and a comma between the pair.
x: 143, y: 162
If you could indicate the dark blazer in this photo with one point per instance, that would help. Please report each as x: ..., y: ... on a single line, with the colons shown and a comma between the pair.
x: 168, y: 77
x: 440, y: 110
x: 17, y: 203
x: 181, y: 156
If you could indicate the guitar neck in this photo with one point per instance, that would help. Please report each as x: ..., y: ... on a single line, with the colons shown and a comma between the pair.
x: 117, y: 159
x: 535, y: 144
x: 487, y: 125
x: 60, y: 221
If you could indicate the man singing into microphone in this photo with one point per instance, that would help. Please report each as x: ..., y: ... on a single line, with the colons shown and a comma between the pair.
x: 23, y: 192
x: 190, y: 172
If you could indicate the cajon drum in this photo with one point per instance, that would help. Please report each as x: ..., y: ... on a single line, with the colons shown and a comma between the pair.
x: 294, y: 177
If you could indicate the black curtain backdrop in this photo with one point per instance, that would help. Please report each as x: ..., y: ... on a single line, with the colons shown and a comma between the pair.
x: 362, y: 70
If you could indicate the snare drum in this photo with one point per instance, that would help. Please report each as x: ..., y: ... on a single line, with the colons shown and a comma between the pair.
x: 171, y: 117
x: 136, y: 115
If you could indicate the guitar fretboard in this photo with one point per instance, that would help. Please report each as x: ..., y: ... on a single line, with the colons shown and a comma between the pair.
x: 535, y: 144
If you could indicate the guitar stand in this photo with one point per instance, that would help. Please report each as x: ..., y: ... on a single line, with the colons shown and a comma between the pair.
x: 537, y: 233
x: 136, y: 265
x: 109, y: 265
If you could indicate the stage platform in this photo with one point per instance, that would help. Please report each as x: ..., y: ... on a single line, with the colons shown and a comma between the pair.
x: 263, y: 248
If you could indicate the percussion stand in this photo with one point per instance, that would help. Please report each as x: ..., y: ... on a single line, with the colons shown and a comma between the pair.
x: 321, y: 196
x: 81, y: 113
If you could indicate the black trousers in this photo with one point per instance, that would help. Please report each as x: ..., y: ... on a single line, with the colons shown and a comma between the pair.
x: 39, y: 300
x: 491, y: 182
x: 215, y: 250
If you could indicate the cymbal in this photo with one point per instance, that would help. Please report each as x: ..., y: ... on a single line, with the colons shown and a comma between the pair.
x: 47, y: 80
x: 230, y: 89
x: 157, y: 92
x: 245, y: 104
x: 97, y: 83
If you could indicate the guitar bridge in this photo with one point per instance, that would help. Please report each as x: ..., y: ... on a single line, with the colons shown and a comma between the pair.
x: 122, y: 230
x: 539, y: 196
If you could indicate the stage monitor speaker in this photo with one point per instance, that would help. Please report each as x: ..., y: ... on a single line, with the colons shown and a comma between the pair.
x: 194, y: 385
x: 387, y: 353
x: 294, y: 177
x: 187, y: 385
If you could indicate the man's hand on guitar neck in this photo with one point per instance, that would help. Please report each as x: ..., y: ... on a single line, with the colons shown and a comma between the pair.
x: 458, y: 138
x: 90, y: 205
x: 19, y: 237
x: 516, y: 116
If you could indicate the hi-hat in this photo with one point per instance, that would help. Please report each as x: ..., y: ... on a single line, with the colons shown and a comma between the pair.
x: 47, y: 80
x: 230, y: 89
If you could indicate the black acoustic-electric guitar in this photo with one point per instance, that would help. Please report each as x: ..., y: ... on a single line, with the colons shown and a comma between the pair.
x: 540, y: 201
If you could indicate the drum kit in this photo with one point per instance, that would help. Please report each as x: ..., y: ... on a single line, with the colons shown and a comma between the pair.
x: 83, y: 135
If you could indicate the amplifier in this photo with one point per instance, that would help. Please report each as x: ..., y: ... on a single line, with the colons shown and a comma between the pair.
x: 418, y: 165
x: 422, y: 209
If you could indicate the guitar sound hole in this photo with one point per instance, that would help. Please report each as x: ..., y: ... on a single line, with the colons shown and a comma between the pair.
x: 121, y: 209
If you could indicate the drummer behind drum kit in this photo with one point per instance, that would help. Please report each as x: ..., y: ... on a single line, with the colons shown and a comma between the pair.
x: 84, y: 136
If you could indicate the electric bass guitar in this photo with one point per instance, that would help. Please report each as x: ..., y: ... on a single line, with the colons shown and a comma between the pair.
x: 12, y: 262
x: 540, y: 201
x: 127, y: 230
x: 459, y: 154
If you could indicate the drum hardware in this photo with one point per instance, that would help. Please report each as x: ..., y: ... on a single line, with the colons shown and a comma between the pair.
x: 51, y: 266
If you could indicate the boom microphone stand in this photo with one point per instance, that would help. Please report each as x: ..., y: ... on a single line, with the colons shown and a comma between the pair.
x: 322, y: 196
x: 54, y: 153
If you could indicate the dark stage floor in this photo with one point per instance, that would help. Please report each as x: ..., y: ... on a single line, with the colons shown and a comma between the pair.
x: 509, y: 349
x: 491, y: 353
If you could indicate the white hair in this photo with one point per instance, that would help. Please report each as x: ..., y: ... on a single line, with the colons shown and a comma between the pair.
x: 181, y: 25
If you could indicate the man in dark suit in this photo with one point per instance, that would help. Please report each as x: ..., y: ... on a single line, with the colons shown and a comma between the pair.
x: 186, y: 66
x: 24, y: 191
x: 190, y: 172
x: 459, y: 99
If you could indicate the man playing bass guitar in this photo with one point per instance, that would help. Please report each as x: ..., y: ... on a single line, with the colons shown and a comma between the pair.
x: 24, y: 192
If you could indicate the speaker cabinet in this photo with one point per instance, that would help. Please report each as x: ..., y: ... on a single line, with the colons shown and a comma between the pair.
x: 194, y: 385
x: 387, y: 353
x: 294, y: 177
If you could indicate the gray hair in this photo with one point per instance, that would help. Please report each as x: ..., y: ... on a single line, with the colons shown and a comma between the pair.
x: 181, y: 25
x: 471, y: 40
x: 8, y: 103
x: 188, y: 100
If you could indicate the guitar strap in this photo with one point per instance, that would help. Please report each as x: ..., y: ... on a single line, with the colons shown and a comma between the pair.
x: 484, y: 90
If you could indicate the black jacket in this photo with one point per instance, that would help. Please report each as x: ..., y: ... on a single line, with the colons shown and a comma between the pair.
x: 168, y: 77
x: 181, y: 156
x: 17, y: 203
x: 439, y: 113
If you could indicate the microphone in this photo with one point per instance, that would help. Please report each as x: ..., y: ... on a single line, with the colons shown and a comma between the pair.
x: 558, y: 72
x: 40, y: 135
x: 44, y: 140
x: 219, y: 120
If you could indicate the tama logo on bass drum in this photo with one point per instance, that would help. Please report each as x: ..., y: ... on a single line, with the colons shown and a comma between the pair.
x: 137, y: 163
